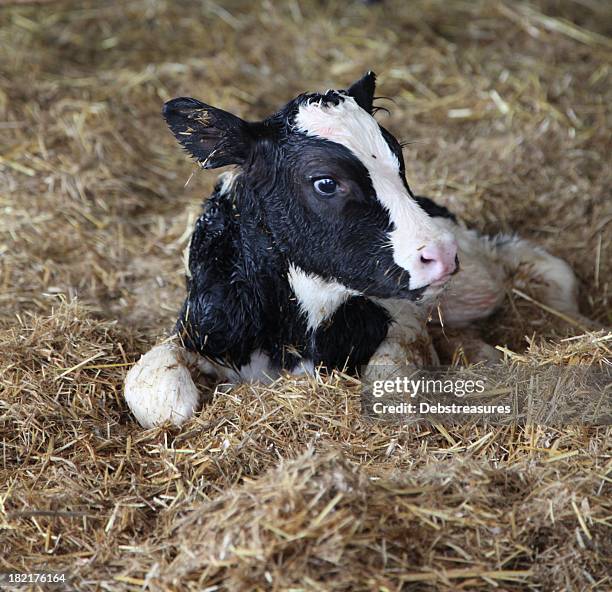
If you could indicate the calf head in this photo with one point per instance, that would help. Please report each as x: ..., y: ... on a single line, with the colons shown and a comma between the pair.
x: 330, y: 185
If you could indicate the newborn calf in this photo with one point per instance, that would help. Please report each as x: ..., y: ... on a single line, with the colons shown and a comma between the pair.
x: 311, y: 250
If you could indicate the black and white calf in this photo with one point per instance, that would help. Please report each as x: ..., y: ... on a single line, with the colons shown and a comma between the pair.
x: 314, y: 252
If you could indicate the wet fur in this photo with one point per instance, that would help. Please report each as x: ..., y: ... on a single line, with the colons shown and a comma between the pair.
x: 264, y: 241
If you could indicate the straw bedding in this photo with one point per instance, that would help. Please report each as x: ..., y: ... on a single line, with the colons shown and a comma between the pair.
x: 505, y: 108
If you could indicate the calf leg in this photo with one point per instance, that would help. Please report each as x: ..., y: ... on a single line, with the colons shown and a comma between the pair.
x: 550, y: 280
x: 464, y: 346
x: 407, y: 345
x: 479, y: 287
x: 489, y: 268
x: 492, y: 265
x: 474, y: 293
x: 160, y: 386
x: 547, y: 278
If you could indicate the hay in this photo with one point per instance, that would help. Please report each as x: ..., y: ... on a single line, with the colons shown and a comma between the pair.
x: 505, y: 108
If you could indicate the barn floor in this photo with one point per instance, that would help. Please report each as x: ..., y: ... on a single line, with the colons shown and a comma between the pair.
x: 506, y: 110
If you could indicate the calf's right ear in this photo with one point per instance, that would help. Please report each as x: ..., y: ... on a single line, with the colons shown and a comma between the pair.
x: 214, y: 137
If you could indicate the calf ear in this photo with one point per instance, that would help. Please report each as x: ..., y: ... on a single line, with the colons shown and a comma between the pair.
x: 363, y: 91
x: 214, y: 137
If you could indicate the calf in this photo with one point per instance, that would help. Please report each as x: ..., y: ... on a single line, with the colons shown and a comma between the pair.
x: 314, y: 252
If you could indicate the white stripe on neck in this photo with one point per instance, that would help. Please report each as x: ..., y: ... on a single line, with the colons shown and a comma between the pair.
x: 318, y: 298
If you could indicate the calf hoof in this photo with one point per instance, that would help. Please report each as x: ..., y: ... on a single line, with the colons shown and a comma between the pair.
x: 479, y: 352
x: 159, y: 387
x: 396, y: 357
x: 466, y: 349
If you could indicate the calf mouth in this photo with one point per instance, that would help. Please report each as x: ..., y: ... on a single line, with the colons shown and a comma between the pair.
x: 394, y: 284
x: 415, y: 295
x: 435, y: 289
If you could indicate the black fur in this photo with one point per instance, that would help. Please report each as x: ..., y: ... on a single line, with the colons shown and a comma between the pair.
x: 433, y: 209
x: 239, y: 298
x: 352, y: 335
x: 214, y: 137
x: 363, y: 91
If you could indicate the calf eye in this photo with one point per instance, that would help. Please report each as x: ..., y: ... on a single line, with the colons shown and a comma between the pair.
x: 325, y: 187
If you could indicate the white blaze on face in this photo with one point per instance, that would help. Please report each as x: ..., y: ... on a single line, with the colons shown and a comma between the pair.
x: 352, y: 127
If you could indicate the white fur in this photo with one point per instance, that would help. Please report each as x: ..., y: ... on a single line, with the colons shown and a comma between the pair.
x: 489, y: 267
x: 553, y: 280
x: 304, y: 368
x: 186, y: 259
x: 349, y: 125
x: 227, y: 180
x: 479, y: 287
x: 159, y: 387
x: 258, y: 369
x: 407, y: 345
x: 318, y: 298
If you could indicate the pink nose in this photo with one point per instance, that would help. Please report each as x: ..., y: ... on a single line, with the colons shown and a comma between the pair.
x: 439, y: 261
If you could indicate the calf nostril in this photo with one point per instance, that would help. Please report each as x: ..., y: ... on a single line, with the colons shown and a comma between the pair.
x: 426, y: 260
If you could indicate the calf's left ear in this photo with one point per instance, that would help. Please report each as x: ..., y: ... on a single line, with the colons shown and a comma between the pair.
x: 363, y: 91
x: 214, y: 137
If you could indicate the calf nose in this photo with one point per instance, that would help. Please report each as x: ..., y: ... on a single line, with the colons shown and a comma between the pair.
x: 439, y: 261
